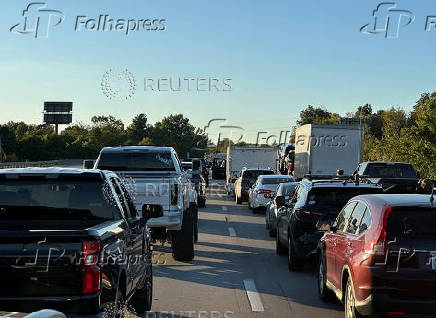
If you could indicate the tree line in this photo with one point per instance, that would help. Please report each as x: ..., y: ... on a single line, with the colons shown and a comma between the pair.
x: 392, y: 134
x: 24, y: 142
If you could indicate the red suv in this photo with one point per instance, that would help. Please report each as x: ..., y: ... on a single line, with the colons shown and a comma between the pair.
x: 379, y: 257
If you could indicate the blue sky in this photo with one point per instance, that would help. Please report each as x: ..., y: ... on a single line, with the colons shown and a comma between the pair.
x: 281, y: 56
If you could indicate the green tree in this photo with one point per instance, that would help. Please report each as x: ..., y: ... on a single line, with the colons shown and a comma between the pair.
x: 138, y: 129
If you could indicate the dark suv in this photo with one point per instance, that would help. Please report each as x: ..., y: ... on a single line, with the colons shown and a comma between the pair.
x: 313, y: 201
x: 245, y: 182
x: 379, y: 257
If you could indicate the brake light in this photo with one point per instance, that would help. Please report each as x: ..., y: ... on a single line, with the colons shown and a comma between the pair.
x: 307, y: 214
x: 174, y: 194
x: 91, y: 270
x: 291, y: 166
x: 378, y: 245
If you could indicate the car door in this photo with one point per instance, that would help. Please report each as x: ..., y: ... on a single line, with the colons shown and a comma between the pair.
x: 282, y: 217
x: 134, y: 237
x: 337, y: 245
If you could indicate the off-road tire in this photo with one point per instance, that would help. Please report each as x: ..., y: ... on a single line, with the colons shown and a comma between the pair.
x: 143, y: 298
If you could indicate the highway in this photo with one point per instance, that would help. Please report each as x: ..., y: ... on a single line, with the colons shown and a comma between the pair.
x: 236, y: 272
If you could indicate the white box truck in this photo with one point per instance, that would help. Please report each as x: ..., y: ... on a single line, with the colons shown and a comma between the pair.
x: 249, y: 157
x: 324, y: 149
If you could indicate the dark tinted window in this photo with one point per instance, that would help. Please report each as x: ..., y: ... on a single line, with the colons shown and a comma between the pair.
x: 56, y: 200
x: 385, y: 170
x: 196, y: 165
x: 356, y: 217
x: 136, y: 161
x: 276, y: 180
x: 331, y: 200
x: 366, y: 221
x: 344, y: 215
x: 253, y: 174
x: 412, y: 224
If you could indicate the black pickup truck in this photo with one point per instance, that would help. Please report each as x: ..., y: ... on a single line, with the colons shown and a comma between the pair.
x: 395, y: 177
x: 71, y: 240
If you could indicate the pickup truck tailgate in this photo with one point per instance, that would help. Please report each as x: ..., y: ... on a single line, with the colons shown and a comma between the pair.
x: 36, y: 264
x: 151, y: 188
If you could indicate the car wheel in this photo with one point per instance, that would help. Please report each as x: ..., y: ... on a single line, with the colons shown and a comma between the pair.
x: 272, y: 232
x: 294, y: 264
x: 238, y: 200
x: 183, y: 240
x: 143, y: 298
x: 350, y: 301
x: 280, y: 250
x: 323, y: 292
x: 249, y: 205
x: 267, y: 220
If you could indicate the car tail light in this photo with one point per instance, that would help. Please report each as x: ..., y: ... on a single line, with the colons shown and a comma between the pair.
x: 91, y: 270
x: 174, y: 194
x: 307, y: 214
x: 377, y: 247
x: 291, y: 166
x: 263, y: 191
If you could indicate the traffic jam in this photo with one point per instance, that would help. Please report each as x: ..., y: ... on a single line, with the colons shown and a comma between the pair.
x: 217, y: 159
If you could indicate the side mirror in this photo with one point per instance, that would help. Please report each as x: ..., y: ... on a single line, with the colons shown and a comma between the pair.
x: 325, y: 226
x: 88, y: 164
x: 280, y: 200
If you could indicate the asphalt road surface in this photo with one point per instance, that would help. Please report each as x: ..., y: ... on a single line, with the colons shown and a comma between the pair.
x: 236, y: 272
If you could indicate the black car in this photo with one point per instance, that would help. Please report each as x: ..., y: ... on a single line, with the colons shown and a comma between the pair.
x: 313, y: 201
x: 71, y: 240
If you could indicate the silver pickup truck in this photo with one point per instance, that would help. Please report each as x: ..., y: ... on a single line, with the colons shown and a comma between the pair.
x: 162, y: 191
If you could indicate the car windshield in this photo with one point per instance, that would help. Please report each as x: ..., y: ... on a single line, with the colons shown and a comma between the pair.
x: 136, y: 161
x: 276, y: 180
x: 331, y: 200
x: 253, y: 174
x: 383, y: 170
x: 56, y: 200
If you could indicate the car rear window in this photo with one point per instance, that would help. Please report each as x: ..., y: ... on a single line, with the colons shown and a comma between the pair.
x: 55, y: 200
x: 276, y: 180
x: 384, y: 170
x: 407, y: 224
x: 286, y: 188
x: 253, y: 174
x: 331, y: 200
x: 136, y: 161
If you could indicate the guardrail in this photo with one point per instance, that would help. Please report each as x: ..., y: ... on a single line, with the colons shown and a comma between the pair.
x: 6, y: 165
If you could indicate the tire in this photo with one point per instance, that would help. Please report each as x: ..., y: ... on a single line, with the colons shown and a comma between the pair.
x: 267, y: 225
x: 143, y: 298
x: 350, y: 301
x: 272, y: 232
x: 238, y: 200
x: 183, y: 240
x: 249, y: 205
x: 195, y: 209
x: 294, y: 263
x: 324, y: 293
x: 254, y: 210
x: 280, y: 249
x: 120, y: 304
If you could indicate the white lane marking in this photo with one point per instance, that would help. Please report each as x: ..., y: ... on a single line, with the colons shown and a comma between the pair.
x: 232, y: 232
x: 224, y: 208
x: 253, y: 295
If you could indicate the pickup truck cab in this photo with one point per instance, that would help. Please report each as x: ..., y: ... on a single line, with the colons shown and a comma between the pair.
x: 163, y: 192
x: 71, y: 240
